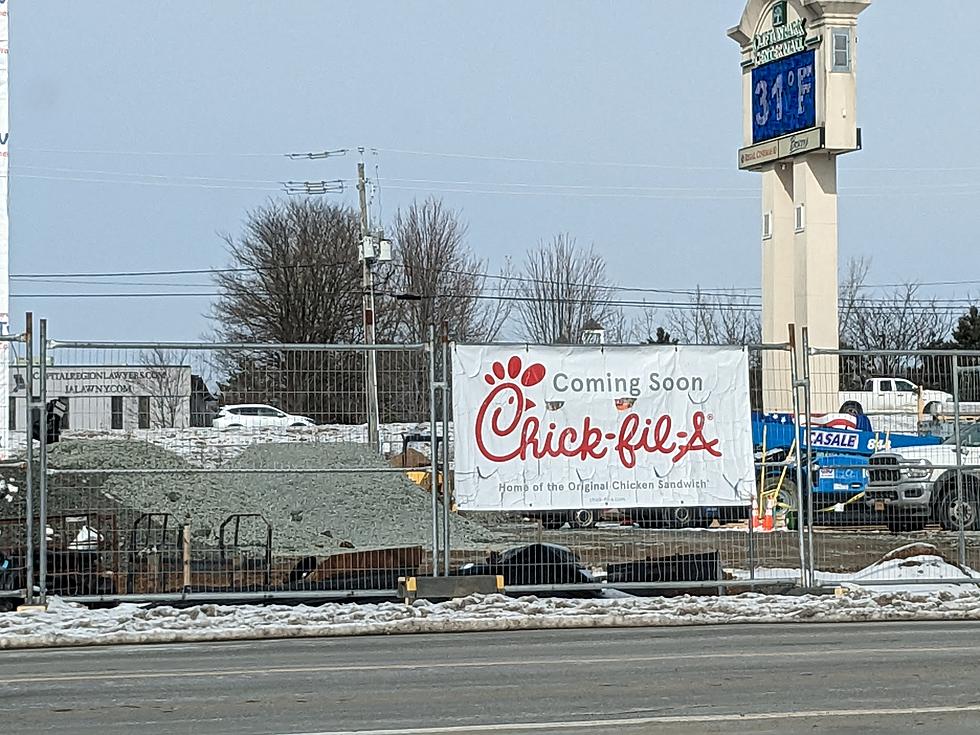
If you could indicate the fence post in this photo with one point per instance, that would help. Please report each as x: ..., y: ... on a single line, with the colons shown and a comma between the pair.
x: 43, y: 470
x: 797, y: 435
x: 808, y: 474
x: 445, y: 448
x: 29, y: 458
x: 434, y: 455
x: 961, y: 540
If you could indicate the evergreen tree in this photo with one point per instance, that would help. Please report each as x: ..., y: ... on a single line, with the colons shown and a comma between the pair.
x: 966, y: 335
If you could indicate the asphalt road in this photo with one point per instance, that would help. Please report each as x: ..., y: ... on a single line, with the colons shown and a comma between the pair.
x: 872, y: 679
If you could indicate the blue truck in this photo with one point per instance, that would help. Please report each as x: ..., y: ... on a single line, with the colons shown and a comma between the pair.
x: 841, y: 447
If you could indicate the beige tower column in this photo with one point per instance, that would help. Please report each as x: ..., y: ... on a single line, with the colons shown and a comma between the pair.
x: 778, y: 268
x: 815, y: 275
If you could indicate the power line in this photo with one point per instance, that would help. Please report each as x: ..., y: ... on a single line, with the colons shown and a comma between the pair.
x: 457, y: 183
x: 38, y: 277
x: 179, y: 272
x: 619, y: 303
x: 684, y: 306
x: 635, y: 164
x: 653, y: 189
x: 732, y: 291
x: 142, y: 295
x: 487, y: 188
x: 458, y: 155
x: 649, y: 193
x: 95, y: 282
x: 168, y: 154
x: 136, y: 182
x: 103, y: 172
x: 530, y: 185
x: 581, y: 194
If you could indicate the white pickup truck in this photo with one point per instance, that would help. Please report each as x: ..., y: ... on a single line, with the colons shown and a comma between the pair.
x: 913, y: 485
x: 892, y: 396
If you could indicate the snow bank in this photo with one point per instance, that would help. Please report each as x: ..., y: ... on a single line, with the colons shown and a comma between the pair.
x: 65, y: 624
x: 920, y: 563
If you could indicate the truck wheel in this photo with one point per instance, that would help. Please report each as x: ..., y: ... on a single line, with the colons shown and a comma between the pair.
x: 680, y: 517
x: 952, y: 512
x: 787, y: 500
x: 583, y: 518
x: 852, y: 407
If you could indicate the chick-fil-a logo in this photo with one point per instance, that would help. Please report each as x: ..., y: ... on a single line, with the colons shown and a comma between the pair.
x: 505, y: 415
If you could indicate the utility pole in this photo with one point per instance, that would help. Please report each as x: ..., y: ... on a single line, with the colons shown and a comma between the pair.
x: 373, y: 247
x: 367, y: 286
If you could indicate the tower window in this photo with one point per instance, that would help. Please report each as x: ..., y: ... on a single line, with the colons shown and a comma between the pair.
x: 841, y: 49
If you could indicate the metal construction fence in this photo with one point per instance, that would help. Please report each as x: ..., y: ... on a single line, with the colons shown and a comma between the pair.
x: 18, y: 528
x: 918, y: 491
x: 205, y: 471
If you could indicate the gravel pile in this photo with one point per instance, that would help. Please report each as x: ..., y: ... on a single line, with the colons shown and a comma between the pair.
x: 313, y: 513
x: 369, y: 510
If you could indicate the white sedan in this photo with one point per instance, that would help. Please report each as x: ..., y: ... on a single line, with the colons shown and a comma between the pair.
x: 256, y: 415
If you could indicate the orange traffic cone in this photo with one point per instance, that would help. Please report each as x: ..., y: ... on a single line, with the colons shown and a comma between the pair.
x: 769, y: 521
x: 754, y: 518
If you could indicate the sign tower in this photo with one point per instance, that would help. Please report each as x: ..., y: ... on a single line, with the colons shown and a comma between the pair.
x: 799, y: 93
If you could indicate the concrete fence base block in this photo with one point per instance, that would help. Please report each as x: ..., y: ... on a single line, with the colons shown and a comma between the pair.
x: 32, y: 608
x: 448, y: 588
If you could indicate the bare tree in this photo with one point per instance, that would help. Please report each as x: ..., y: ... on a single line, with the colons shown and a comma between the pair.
x: 716, y: 319
x: 434, y: 264
x: 165, y: 381
x: 852, y: 280
x: 294, y: 277
x: 900, y: 319
x: 562, y: 288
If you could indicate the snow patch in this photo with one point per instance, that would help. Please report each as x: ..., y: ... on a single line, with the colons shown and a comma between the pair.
x: 913, y: 563
x: 66, y: 624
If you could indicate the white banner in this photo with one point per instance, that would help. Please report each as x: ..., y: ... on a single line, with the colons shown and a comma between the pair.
x: 568, y: 427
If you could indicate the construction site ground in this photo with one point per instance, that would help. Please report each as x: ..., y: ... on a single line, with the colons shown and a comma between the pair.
x: 845, y: 549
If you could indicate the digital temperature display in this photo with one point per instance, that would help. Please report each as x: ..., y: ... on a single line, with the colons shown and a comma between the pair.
x: 783, y: 97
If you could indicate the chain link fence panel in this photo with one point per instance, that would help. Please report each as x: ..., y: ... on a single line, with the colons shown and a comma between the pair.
x: 917, y: 488
x: 244, y: 472
x: 238, y: 471
x: 18, y: 510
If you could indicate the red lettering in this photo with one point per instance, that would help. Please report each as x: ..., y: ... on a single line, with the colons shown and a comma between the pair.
x: 504, y: 416
x: 696, y: 442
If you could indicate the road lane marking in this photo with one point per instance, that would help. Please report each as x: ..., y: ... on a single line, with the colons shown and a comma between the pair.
x: 657, y: 720
x: 208, y: 674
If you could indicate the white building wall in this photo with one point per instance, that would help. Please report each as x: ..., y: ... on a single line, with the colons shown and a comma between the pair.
x: 136, y: 397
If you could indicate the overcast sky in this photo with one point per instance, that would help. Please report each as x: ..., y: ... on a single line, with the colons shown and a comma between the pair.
x: 143, y: 130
